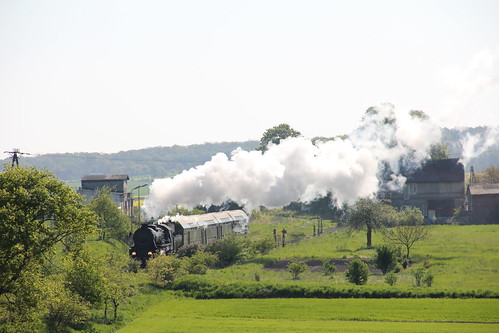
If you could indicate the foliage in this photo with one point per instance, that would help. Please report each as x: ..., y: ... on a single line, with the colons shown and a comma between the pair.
x: 149, y: 163
x: 357, y: 272
x: 428, y: 278
x: 37, y: 212
x: 230, y: 250
x: 387, y: 257
x: 19, y: 309
x: 275, y: 135
x: 418, y: 274
x: 202, y: 287
x: 117, y: 287
x: 112, y: 222
x: 409, y: 229
x: 263, y: 246
x: 199, y: 262
x: 184, y: 211
x: 64, y: 308
x: 329, y: 267
x: 370, y: 214
x: 188, y: 250
x: 391, y: 278
x: 84, y: 277
x: 439, y: 151
x: 163, y: 270
x: 489, y: 175
x: 296, y: 268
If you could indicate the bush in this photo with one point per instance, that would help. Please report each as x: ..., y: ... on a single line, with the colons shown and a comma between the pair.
x: 163, y: 270
x: 188, y: 250
x: 296, y: 268
x: 391, y: 278
x: 65, y: 309
x: 263, y: 246
x: 229, y: 250
x: 200, y: 262
x: 418, y: 275
x: 387, y: 258
x: 329, y: 267
x: 358, y: 272
x: 428, y: 279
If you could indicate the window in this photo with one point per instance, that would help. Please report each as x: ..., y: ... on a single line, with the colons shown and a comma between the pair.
x: 414, y: 189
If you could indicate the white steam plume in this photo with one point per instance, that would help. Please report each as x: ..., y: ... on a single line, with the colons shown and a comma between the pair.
x: 475, y: 145
x: 298, y: 170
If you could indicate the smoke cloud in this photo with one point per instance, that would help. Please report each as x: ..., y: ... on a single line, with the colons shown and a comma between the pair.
x: 297, y: 170
x: 475, y: 145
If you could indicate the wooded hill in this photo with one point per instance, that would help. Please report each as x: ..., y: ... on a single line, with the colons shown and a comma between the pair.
x: 157, y: 162
x: 160, y: 162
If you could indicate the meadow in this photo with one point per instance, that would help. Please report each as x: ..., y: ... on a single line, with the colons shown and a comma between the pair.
x: 462, y: 258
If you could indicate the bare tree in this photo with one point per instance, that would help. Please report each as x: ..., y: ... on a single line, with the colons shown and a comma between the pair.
x: 410, y: 229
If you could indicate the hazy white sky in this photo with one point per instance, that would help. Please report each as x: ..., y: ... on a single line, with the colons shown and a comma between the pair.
x: 107, y: 76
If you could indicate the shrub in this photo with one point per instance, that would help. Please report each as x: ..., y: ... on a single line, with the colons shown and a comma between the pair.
x: 418, y: 275
x: 329, y: 267
x: 296, y: 268
x: 387, y: 257
x: 163, y: 270
x: 199, y: 262
x: 229, y: 250
x: 64, y: 309
x: 358, y: 272
x: 263, y: 246
x: 188, y: 250
x: 391, y: 278
x: 428, y: 279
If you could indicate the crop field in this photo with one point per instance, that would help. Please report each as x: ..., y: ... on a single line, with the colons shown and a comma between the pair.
x: 320, y: 315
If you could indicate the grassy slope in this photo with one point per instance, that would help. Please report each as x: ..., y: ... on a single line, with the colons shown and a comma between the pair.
x: 461, y: 258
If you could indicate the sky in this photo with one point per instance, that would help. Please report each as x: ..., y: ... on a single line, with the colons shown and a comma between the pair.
x: 108, y: 76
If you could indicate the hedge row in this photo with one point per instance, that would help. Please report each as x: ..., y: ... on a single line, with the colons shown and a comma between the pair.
x: 202, y: 288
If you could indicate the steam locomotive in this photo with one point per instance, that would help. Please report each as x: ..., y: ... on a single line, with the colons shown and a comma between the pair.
x: 172, y: 232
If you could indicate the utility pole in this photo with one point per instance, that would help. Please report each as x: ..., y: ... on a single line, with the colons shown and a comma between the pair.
x: 138, y: 195
x: 14, y: 154
x: 472, y: 175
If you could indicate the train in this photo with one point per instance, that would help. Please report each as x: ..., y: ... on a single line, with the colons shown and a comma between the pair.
x: 168, y: 234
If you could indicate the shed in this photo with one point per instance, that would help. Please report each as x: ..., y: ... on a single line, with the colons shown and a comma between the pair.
x: 483, y: 203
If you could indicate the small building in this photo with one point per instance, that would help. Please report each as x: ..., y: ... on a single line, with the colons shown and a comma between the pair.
x: 437, y: 188
x: 482, y: 202
x: 116, y: 183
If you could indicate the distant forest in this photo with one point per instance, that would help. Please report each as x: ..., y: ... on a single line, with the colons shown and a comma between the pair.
x: 160, y: 162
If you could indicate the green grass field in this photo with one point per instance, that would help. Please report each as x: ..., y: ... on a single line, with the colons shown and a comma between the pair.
x: 319, y: 315
x: 461, y: 257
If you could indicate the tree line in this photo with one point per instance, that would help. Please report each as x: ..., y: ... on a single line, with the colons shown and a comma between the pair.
x: 160, y: 162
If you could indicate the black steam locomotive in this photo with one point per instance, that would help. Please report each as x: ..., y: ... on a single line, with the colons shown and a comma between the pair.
x: 171, y: 232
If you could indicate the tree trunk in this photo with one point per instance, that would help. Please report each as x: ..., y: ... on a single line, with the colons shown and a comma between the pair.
x: 369, y: 236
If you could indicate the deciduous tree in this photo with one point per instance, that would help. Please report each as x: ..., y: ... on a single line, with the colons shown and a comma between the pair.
x: 370, y: 214
x: 37, y: 212
x: 275, y: 135
x: 409, y: 229
x: 112, y: 222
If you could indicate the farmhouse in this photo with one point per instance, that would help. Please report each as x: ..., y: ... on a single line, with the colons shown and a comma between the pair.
x: 482, y: 202
x: 437, y: 188
x: 116, y: 183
